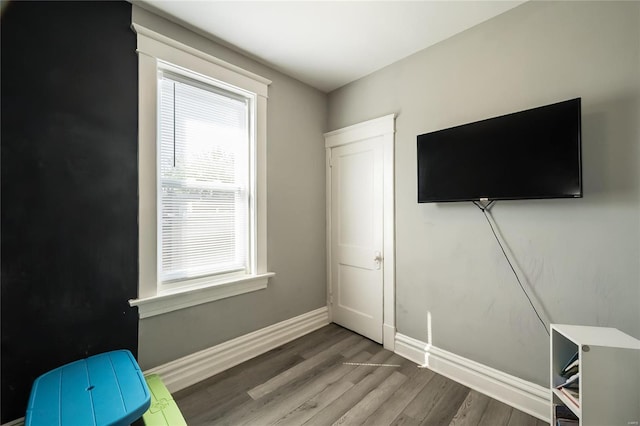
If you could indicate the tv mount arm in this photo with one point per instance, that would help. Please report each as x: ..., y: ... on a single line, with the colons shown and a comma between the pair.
x: 484, y: 204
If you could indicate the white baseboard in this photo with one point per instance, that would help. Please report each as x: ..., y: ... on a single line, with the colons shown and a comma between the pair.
x: 16, y: 422
x: 201, y: 365
x: 528, y: 397
x: 411, y: 349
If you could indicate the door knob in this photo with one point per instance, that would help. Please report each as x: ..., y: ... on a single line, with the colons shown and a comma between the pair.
x: 378, y: 259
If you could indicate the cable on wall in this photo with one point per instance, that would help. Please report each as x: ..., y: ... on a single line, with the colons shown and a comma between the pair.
x: 485, y: 210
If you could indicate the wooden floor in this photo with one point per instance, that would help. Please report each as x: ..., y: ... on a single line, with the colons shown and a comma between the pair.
x: 334, y: 376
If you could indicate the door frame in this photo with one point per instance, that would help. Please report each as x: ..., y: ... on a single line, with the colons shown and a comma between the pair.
x: 380, y: 127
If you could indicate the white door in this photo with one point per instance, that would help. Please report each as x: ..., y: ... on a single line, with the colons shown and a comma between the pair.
x: 356, y: 260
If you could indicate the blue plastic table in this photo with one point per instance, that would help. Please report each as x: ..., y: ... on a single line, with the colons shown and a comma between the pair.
x: 105, y: 389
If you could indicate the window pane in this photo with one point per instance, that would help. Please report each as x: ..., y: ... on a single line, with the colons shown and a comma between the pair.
x: 204, y: 141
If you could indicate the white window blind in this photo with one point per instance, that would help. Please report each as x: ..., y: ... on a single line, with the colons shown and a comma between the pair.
x: 204, y: 136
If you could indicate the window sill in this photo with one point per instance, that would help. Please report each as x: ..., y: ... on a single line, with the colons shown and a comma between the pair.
x: 192, y: 296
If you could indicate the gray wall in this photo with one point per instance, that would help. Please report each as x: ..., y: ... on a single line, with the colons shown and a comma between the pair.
x: 580, y: 256
x: 296, y: 119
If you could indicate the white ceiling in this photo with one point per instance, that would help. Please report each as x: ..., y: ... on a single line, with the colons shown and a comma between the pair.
x: 328, y: 44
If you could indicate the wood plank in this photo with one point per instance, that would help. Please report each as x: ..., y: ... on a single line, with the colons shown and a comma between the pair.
x: 364, y: 345
x: 245, y: 412
x: 471, y: 409
x: 215, y: 410
x: 350, y: 398
x: 326, y: 390
x: 330, y: 338
x: 496, y: 414
x: 219, y: 395
x: 363, y: 409
x: 295, y: 371
x: 265, y: 361
x: 280, y: 407
x: 316, y: 404
x: 420, y: 406
x: 251, y: 377
x: 390, y: 409
x: 518, y: 418
x: 405, y: 420
x: 447, y: 406
x: 224, y: 388
x: 380, y: 357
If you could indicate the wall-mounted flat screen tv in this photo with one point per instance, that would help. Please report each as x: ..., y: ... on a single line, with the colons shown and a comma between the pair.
x: 524, y: 155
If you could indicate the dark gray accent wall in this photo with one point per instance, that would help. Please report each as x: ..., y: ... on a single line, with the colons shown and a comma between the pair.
x: 69, y: 188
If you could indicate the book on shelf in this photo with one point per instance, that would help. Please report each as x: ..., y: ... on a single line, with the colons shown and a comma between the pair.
x: 572, y: 395
x: 566, y: 422
x: 564, y: 412
x: 564, y: 416
x: 570, y: 363
x: 570, y: 369
x: 571, y: 382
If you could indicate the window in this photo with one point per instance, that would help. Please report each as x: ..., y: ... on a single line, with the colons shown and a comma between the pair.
x: 202, y: 178
x: 204, y: 136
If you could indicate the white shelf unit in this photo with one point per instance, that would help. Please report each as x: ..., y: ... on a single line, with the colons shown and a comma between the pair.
x: 609, y: 366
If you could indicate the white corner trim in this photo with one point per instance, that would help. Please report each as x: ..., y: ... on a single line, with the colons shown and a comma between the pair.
x: 141, y: 30
x: 526, y: 396
x: 192, y: 296
x: 388, y: 337
x: 357, y: 132
x: 201, y: 365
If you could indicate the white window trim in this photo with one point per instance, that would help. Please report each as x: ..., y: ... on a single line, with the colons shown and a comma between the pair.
x: 152, y: 49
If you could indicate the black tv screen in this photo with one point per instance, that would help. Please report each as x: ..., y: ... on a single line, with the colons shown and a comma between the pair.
x: 524, y: 155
